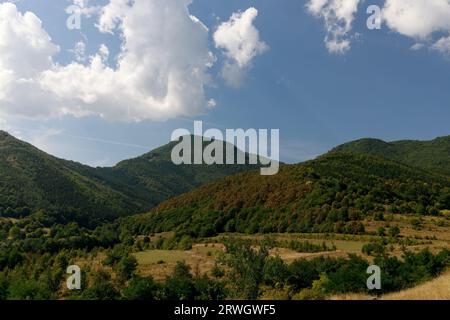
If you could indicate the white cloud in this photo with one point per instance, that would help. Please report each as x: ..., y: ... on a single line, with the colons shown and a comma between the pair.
x: 420, y: 19
x: 26, y: 50
x: 240, y: 42
x: 79, y: 51
x: 85, y: 9
x: 212, y: 103
x: 417, y: 18
x: 161, y: 71
x: 442, y: 45
x: 338, y: 16
x: 24, y: 45
x: 417, y: 46
x: 112, y: 14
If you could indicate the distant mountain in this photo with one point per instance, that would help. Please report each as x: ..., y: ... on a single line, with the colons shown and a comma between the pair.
x: 154, y: 178
x: 329, y: 194
x: 32, y: 181
x: 431, y: 155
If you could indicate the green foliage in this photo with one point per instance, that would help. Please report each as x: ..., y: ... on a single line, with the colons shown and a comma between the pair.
x: 330, y: 194
x: 140, y: 288
x: 394, y: 231
x: 102, y: 288
x: 381, y: 231
x: 351, y: 276
x: 59, y: 191
x: 416, y: 224
x: 413, y: 268
x: 246, y: 267
x: 429, y: 155
x: 181, y: 285
x: 65, y: 209
x: 3, y: 286
x: 182, y: 271
x: 374, y: 248
x: 275, y: 272
x: 318, y: 291
x: 126, y: 267
x: 28, y: 289
x: 114, y: 255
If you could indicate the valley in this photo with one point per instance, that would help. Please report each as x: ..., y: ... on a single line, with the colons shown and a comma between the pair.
x: 147, y: 229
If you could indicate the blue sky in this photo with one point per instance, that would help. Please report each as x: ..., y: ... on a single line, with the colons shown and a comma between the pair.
x: 379, y: 87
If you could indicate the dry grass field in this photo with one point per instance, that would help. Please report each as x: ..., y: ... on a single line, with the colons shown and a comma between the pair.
x: 436, y: 289
x: 160, y: 263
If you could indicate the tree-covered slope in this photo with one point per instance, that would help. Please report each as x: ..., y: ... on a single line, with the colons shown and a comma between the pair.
x: 329, y: 194
x: 32, y: 181
x: 431, y: 155
x: 153, y: 176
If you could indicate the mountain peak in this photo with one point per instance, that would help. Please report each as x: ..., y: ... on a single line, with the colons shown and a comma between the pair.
x: 5, y: 137
x: 4, y: 134
x: 430, y: 155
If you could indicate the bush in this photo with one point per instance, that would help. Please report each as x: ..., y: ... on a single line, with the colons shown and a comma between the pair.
x: 126, y: 267
x: 275, y: 272
x: 318, y: 291
x: 373, y: 248
x: 394, y: 231
x: 140, y: 288
x: 102, y: 288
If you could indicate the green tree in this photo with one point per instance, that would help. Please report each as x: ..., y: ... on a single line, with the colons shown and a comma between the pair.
x: 381, y: 231
x: 126, y: 267
x: 140, y: 288
x: 275, y: 272
x: 394, y: 231
x: 180, y: 285
x: 101, y: 288
x: 246, y: 267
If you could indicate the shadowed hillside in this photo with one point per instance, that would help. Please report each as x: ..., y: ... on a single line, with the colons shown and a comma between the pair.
x: 32, y: 181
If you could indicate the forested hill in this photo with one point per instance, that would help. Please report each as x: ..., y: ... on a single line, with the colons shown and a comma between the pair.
x: 154, y: 177
x: 431, y: 155
x: 32, y: 181
x: 329, y: 194
x: 357, y: 179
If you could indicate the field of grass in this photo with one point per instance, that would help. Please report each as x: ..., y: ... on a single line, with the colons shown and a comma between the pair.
x: 436, y: 289
x: 160, y: 263
x: 432, y: 233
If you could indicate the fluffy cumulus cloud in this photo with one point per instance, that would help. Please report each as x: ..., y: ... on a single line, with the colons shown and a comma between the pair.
x: 420, y: 19
x: 26, y: 51
x: 425, y: 21
x: 240, y: 42
x: 161, y: 72
x: 417, y: 18
x: 338, y: 16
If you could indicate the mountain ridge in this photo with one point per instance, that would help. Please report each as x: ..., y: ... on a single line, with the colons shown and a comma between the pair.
x: 432, y: 155
x: 32, y: 180
x: 61, y: 190
x: 332, y: 193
